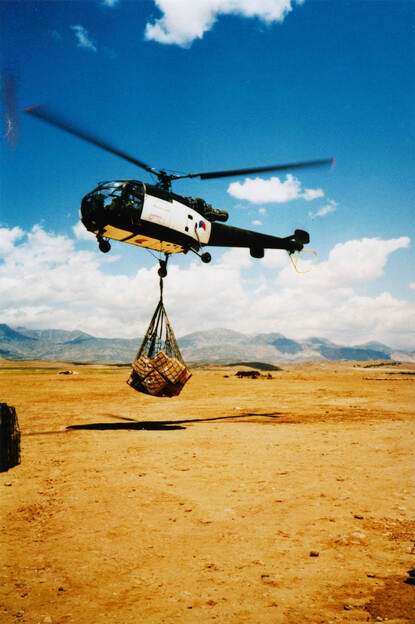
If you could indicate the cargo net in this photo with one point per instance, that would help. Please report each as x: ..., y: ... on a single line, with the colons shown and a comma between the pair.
x: 158, y: 368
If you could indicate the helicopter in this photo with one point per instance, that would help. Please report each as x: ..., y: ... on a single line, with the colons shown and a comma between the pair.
x: 154, y: 217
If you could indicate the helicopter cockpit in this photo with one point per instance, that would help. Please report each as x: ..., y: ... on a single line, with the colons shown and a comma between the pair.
x: 121, y: 200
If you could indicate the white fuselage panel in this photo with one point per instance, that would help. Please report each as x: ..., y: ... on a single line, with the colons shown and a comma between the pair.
x: 176, y: 216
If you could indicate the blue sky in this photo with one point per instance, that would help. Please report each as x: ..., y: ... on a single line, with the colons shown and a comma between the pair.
x: 198, y: 89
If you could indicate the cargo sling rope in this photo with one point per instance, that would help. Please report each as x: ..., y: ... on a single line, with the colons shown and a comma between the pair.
x: 159, y: 368
x: 160, y: 335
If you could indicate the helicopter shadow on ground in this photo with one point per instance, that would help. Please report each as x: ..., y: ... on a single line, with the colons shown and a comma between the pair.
x: 163, y: 425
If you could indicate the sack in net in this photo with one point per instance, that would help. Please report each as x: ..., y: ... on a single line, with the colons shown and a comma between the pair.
x: 158, y: 368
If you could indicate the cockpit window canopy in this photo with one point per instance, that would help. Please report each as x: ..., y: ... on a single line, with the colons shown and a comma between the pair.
x: 118, y: 198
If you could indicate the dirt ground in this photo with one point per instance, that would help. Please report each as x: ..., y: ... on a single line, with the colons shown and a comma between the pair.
x: 286, y: 500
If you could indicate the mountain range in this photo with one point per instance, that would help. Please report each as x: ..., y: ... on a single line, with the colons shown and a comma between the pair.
x: 215, y: 345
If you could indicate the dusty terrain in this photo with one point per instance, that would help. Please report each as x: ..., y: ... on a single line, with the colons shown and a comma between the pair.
x: 284, y: 500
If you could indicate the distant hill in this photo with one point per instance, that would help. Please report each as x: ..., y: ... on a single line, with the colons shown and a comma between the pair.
x: 53, y: 344
x: 215, y: 345
x: 227, y: 346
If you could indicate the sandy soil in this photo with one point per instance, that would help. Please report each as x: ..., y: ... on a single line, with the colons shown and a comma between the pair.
x: 284, y: 500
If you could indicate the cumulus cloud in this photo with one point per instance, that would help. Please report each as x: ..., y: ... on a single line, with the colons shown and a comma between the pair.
x: 83, y: 38
x: 46, y: 281
x: 275, y: 259
x: 81, y: 233
x: 260, y: 191
x: 310, y: 194
x: 8, y: 238
x: 349, y: 263
x: 182, y: 21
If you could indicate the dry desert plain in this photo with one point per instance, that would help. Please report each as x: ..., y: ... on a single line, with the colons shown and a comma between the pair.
x: 286, y: 500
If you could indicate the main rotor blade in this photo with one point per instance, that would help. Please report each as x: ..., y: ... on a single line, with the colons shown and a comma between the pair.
x: 237, y: 172
x: 41, y: 112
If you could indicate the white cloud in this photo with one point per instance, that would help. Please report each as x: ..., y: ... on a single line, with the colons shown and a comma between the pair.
x: 110, y: 3
x: 412, y: 285
x: 256, y: 222
x: 324, y: 210
x: 348, y: 264
x: 260, y: 191
x: 47, y: 282
x: 182, y: 21
x: 275, y: 259
x: 83, y: 38
x: 8, y: 239
x: 310, y: 194
x: 81, y: 233
x: 236, y: 258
